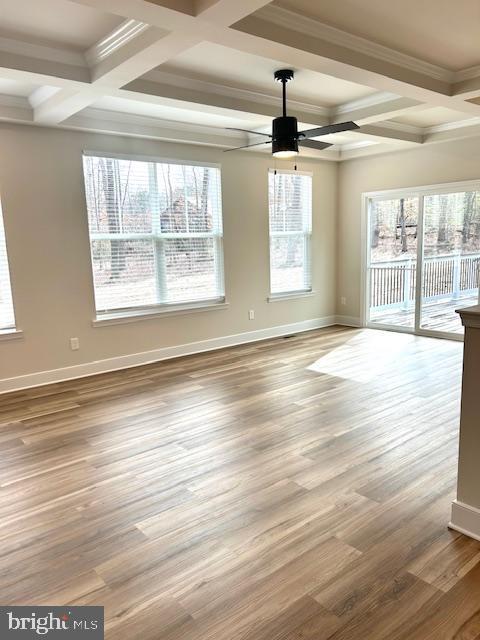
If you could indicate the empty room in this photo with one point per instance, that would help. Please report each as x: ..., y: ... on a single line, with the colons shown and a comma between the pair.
x: 240, y: 319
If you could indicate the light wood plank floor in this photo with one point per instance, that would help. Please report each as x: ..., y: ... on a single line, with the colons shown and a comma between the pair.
x: 290, y: 489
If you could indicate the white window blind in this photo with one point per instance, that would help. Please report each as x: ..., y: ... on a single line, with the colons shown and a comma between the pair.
x: 155, y: 232
x: 7, y: 316
x: 290, y: 213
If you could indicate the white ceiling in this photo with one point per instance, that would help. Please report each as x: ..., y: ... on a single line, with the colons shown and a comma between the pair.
x: 403, y: 71
x: 443, y: 32
x: 55, y: 23
x: 214, y: 63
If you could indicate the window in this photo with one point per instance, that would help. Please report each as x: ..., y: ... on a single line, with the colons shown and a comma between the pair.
x: 7, y: 316
x: 155, y: 233
x: 290, y: 213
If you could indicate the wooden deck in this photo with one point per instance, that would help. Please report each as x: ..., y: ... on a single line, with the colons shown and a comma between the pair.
x: 437, y: 315
x: 290, y: 489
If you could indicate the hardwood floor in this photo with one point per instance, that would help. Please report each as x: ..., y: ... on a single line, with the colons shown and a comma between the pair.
x: 290, y: 489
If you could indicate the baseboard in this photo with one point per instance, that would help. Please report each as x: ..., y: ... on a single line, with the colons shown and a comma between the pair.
x: 465, y: 519
x: 147, y: 357
x: 348, y: 321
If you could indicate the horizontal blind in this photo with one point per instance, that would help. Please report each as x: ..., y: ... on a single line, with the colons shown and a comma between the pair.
x: 290, y: 214
x: 155, y: 232
x: 7, y: 316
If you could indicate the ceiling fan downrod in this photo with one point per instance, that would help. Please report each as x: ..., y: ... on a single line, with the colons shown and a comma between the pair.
x: 284, y: 76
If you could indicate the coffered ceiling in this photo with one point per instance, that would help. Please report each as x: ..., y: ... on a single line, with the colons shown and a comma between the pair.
x: 408, y: 73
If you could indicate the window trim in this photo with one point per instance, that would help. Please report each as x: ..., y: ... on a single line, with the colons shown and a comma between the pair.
x: 134, y: 314
x: 12, y: 331
x: 10, y: 334
x: 135, y: 157
x: 274, y: 296
x: 161, y: 309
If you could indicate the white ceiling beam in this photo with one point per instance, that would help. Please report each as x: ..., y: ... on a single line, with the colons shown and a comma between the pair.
x: 13, y: 109
x: 236, y: 102
x: 134, y: 56
x: 450, y: 132
x: 303, y: 42
x: 256, y: 35
x: 384, y: 147
x: 390, y: 132
x: 104, y: 121
x: 376, y: 108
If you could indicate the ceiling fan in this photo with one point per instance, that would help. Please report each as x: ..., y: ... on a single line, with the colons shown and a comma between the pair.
x: 285, y: 137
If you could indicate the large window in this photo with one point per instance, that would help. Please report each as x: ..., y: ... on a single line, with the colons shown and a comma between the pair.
x: 7, y: 316
x: 155, y: 233
x: 290, y: 213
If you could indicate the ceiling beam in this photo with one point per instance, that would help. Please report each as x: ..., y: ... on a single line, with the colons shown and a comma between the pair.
x: 149, y: 47
x: 217, y: 97
x: 388, y: 132
x: 303, y: 42
x: 376, y: 108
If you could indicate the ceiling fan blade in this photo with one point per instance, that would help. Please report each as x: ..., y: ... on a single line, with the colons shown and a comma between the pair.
x: 255, y: 133
x: 314, y: 144
x: 329, y: 128
x: 257, y: 144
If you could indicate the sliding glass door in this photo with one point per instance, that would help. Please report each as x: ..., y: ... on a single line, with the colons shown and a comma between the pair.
x: 451, y: 255
x: 423, y: 257
x: 393, y: 243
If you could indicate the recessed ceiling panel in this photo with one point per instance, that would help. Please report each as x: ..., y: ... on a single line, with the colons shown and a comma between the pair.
x: 214, y: 63
x: 443, y: 32
x: 58, y: 23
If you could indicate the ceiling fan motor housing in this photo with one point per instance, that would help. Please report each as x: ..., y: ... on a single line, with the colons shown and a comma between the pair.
x: 284, y: 134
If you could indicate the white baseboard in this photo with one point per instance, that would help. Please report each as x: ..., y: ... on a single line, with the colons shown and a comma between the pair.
x: 465, y: 519
x: 147, y: 357
x: 348, y: 321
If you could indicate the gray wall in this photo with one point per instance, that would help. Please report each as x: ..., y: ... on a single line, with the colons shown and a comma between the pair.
x: 42, y: 194
x: 437, y: 163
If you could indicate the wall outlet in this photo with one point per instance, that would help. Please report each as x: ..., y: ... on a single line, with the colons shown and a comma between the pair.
x: 251, y: 314
x: 74, y: 344
x: 343, y: 300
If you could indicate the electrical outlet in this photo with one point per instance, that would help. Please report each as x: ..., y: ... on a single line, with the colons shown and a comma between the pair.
x: 343, y: 300
x: 251, y: 314
x: 74, y: 344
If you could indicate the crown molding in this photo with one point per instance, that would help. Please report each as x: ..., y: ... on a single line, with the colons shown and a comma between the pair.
x: 314, y: 28
x: 206, y: 86
x: 467, y: 74
x: 156, y: 124
x: 402, y: 127
x: 380, y: 97
x: 32, y: 50
x: 451, y: 126
x: 128, y: 30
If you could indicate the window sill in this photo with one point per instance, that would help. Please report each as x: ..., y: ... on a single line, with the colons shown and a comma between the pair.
x: 149, y: 314
x: 277, y: 297
x: 10, y: 334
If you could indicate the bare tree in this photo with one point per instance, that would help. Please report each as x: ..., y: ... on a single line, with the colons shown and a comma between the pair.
x: 403, y: 226
x: 113, y: 209
x: 468, y: 215
x: 442, y: 237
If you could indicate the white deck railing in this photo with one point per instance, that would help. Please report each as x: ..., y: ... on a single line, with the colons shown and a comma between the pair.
x: 393, y: 282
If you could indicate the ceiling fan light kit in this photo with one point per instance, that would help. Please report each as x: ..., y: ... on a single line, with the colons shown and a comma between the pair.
x: 285, y: 137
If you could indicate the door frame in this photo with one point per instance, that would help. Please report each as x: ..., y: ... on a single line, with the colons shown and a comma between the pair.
x: 420, y: 192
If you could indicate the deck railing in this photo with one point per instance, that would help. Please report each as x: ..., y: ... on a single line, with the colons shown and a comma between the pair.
x: 393, y: 283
